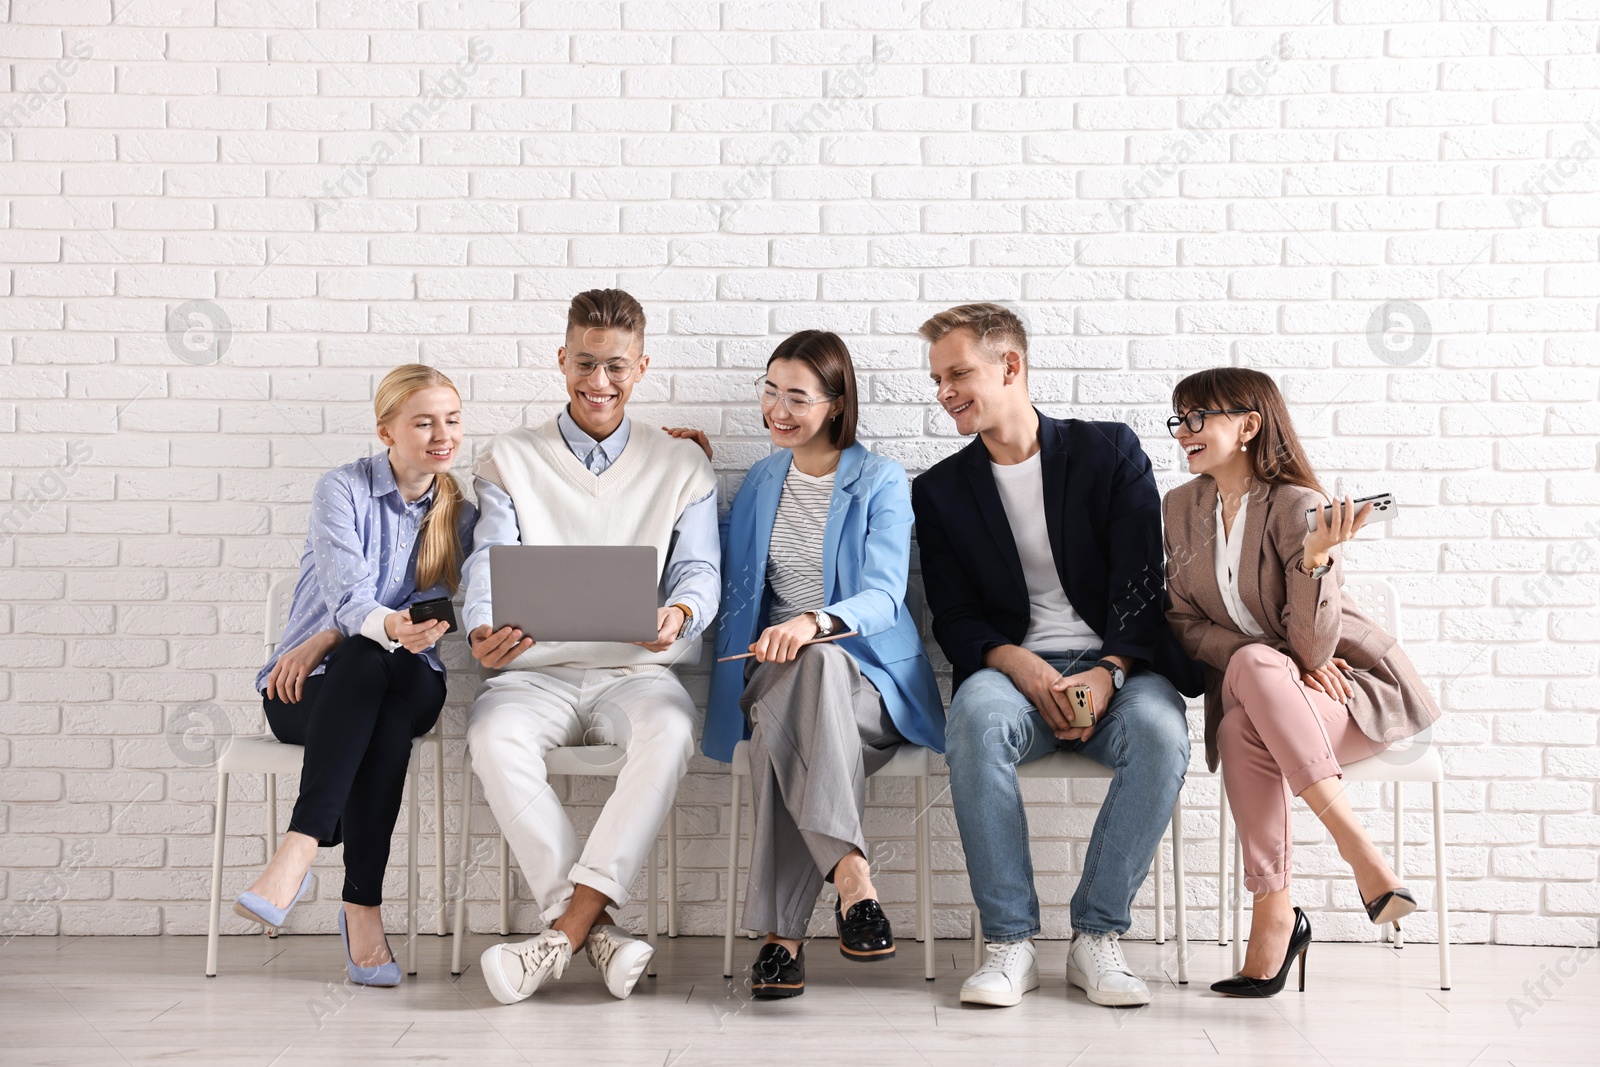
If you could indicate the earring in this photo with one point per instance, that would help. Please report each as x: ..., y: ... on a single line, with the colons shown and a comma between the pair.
x: 1244, y: 448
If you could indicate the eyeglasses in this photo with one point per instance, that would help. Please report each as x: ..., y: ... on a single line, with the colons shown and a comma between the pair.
x: 1196, y: 419
x: 616, y: 369
x: 796, y: 404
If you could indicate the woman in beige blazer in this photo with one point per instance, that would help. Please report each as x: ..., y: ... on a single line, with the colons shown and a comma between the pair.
x: 1298, y: 681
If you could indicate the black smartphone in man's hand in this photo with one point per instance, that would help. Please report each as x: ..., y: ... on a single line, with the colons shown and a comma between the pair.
x: 429, y: 610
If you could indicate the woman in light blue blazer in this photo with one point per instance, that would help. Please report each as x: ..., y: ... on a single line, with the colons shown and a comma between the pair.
x: 817, y: 543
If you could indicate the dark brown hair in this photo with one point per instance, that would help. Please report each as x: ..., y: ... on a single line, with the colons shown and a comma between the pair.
x: 606, y: 309
x: 1276, y: 456
x: 826, y: 354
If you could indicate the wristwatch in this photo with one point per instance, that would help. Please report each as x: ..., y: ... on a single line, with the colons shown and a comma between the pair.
x: 688, y: 616
x: 824, y: 622
x: 1316, y: 572
x: 1118, y: 675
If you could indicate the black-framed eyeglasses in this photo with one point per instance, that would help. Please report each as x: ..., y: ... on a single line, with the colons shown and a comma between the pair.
x: 793, y: 403
x: 616, y: 369
x: 1196, y: 419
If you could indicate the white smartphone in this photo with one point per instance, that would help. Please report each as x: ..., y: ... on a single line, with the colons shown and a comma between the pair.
x: 1383, y: 509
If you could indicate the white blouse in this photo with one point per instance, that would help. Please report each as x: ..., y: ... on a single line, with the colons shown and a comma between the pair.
x: 1227, y: 565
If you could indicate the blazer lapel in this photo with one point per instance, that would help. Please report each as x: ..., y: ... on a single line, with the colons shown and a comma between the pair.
x: 1251, y: 559
x: 1203, y: 557
x: 766, y: 511
x: 1053, y: 467
x: 838, y: 509
x: 981, y: 479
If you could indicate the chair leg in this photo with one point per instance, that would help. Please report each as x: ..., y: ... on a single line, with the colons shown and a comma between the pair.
x: 461, y: 864
x: 505, y: 887
x: 1398, y: 937
x: 413, y: 832
x: 438, y: 827
x: 1222, y: 862
x: 735, y: 810
x: 1238, y: 902
x: 977, y: 939
x: 652, y: 906
x: 1178, y: 892
x: 1161, y: 902
x: 924, y: 877
x: 672, y: 872
x: 219, y: 837
x: 1441, y: 886
x: 272, y: 832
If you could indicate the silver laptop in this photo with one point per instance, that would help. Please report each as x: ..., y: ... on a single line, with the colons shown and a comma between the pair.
x: 568, y: 593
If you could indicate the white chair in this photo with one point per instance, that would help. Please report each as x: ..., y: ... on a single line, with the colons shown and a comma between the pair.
x: 604, y: 761
x: 269, y: 756
x: 908, y: 761
x: 1377, y: 599
x: 1077, y: 765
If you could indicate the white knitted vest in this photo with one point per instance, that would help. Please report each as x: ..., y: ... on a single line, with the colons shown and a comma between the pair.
x: 637, y: 501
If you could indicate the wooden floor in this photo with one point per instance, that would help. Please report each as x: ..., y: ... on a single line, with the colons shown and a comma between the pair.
x: 99, y: 1000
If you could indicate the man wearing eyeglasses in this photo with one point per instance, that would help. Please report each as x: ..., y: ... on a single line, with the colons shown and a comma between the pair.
x: 589, y: 476
x: 1041, y: 556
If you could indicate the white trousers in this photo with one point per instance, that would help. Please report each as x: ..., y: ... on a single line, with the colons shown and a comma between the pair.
x: 519, y: 716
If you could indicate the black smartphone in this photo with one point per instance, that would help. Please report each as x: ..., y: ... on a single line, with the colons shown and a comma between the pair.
x: 439, y: 608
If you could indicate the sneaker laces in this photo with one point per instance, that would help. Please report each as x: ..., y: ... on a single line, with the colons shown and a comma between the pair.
x: 601, y: 947
x: 1107, y: 952
x: 544, y: 951
x: 1001, y: 955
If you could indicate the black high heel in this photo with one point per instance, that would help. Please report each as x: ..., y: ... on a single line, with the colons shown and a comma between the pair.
x: 1393, y: 906
x: 1243, y: 986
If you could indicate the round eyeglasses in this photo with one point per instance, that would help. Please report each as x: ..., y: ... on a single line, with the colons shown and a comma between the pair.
x: 1195, y: 419
x: 797, y: 404
x: 616, y: 369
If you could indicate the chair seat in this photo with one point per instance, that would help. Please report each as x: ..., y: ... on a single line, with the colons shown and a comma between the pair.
x: 604, y: 760
x: 908, y: 761
x: 1063, y: 765
x: 260, y: 755
x: 267, y: 755
x: 1397, y: 766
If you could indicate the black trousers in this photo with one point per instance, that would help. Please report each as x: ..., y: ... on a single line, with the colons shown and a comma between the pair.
x: 356, y: 721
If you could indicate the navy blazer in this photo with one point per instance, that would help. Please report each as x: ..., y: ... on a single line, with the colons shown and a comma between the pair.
x: 1103, y: 515
x: 866, y: 555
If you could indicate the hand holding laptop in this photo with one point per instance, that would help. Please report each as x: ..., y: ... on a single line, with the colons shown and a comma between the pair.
x: 495, y: 648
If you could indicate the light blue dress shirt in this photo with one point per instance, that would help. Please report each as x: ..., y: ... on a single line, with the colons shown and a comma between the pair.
x: 360, y: 557
x: 693, y: 573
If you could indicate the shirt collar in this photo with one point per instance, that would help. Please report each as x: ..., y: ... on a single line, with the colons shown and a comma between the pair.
x: 582, y: 444
x: 383, y: 483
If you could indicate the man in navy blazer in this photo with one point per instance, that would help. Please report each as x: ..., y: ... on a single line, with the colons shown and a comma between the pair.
x: 1042, y: 561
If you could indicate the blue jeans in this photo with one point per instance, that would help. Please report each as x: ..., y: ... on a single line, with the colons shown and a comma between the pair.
x: 992, y: 729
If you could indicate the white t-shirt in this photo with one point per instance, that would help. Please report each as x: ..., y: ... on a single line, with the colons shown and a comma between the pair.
x: 1226, y: 561
x: 1053, y: 624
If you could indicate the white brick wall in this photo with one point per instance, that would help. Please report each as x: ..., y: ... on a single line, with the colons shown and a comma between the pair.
x: 1157, y: 186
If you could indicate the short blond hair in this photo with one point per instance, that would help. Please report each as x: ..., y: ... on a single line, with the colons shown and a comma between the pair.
x: 990, y: 325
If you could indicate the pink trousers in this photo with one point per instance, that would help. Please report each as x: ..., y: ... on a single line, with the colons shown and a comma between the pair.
x: 1277, y: 737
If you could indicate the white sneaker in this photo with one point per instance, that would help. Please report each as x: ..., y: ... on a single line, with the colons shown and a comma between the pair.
x: 1096, y: 966
x: 619, y: 957
x: 1010, y: 969
x: 514, y: 971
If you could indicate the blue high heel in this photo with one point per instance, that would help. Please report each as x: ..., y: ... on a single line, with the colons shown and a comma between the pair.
x: 261, y: 910
x: 384, y: 974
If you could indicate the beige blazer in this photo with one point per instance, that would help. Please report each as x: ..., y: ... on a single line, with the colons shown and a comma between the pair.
x: 1307, y: 618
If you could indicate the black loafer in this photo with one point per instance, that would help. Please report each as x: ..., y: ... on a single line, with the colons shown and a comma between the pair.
x: 864, y: 935
x: 776, y: 974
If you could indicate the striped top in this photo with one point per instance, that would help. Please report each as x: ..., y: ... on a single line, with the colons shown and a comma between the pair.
x: 794, y: 561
